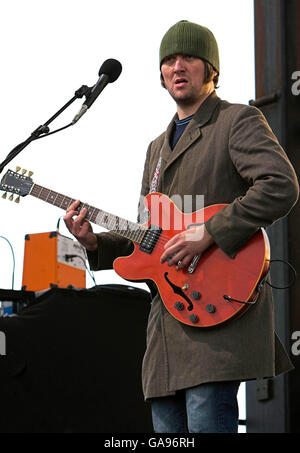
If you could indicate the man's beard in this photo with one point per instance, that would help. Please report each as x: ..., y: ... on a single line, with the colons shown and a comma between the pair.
x: 186, y: 100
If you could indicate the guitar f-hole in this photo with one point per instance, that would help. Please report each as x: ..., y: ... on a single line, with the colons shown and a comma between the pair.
x: 178, y: 290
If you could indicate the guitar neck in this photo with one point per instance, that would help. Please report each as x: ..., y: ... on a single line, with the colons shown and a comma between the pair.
x: 115, y: 224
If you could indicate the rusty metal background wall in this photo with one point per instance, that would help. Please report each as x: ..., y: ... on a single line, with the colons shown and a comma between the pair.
x: 273, y: 405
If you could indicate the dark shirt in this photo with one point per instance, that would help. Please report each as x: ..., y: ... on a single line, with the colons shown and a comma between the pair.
x: 179, y: 128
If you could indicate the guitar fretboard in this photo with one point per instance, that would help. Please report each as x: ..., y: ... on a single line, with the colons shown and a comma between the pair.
x: 113, y: 223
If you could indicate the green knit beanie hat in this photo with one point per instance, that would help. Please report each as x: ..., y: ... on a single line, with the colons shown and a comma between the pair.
x: 190, y: 39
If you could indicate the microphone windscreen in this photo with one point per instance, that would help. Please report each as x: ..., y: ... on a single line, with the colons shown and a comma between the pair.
x: 112, y: 68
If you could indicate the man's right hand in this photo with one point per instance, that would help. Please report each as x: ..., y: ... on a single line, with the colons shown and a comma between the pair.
x: 79, y: 227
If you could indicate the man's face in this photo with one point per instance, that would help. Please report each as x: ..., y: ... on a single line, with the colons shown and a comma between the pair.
x: 183, y: 77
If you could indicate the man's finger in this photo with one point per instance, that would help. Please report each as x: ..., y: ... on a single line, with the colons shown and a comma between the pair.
x: 82, y: 213
x: 73, y: 206
x: 170, y: 252
x: 70, y: 214
x: 173, y: 240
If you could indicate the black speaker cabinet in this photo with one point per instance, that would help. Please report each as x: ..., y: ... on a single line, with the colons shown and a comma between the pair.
x: 73, y: 363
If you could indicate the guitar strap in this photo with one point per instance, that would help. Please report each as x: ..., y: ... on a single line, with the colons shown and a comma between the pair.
x: 154, y: 183
x: 180, y: 127
x: 153, y: 188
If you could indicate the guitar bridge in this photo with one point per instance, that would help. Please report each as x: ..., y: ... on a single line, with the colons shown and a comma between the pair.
x: 194, y: 263
x: 150, y: 239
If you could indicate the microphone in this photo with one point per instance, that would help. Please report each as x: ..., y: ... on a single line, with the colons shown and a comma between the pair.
x: 108, y: 73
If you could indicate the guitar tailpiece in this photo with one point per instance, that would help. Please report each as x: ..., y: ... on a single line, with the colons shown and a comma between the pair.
x: 230, y: 299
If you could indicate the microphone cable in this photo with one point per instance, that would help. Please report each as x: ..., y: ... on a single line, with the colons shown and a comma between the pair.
x: 14, y: 261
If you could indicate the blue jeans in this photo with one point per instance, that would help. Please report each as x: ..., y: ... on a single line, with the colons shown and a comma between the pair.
x: 206, y: 408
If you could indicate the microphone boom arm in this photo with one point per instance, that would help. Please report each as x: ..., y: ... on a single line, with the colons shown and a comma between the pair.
x: 43, y: 130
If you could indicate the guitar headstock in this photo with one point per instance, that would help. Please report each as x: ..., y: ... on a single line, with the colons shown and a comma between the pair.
x: 16, y: 183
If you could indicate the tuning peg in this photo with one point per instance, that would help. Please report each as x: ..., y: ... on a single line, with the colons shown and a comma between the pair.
x: 11, y: 197
x: 23, y: 171
x: 30, y: 173
x: 17, y: 200
x: 4, y: 195
x: 18, y: 169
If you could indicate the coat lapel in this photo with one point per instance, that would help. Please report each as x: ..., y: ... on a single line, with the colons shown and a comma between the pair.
x: 190, y: 135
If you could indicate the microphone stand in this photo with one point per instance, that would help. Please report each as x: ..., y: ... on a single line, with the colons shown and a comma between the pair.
x: 43, y: 130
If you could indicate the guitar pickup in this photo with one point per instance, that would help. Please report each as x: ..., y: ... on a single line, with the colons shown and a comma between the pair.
x: 150, y: 239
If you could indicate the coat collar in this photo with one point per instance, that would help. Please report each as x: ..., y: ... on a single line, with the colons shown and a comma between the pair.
x: 205, y: 111
x: 192, y: 132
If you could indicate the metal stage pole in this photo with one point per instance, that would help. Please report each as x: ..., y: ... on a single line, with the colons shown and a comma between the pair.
x: 273, y: 405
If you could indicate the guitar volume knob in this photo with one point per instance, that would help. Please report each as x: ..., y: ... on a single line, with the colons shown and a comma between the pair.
x: 193, y: 318
x: 179, y: 306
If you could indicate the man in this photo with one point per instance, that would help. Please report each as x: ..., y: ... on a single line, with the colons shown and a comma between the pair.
x: 227, y: 153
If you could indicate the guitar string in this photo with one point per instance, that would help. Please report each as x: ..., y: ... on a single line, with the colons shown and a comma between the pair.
x: 163, y: 238
x: 159, y: 244
x: 137, y: 233
x: 67, y: 201
x: 135, y: 236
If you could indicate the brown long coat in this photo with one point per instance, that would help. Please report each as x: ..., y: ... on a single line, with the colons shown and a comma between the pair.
x: 228, y: 154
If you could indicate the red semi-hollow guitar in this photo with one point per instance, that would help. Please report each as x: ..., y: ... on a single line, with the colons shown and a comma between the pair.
x: 212, y: 290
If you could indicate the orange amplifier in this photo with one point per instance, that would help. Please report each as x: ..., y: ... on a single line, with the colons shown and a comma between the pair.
x: 52, y: 260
